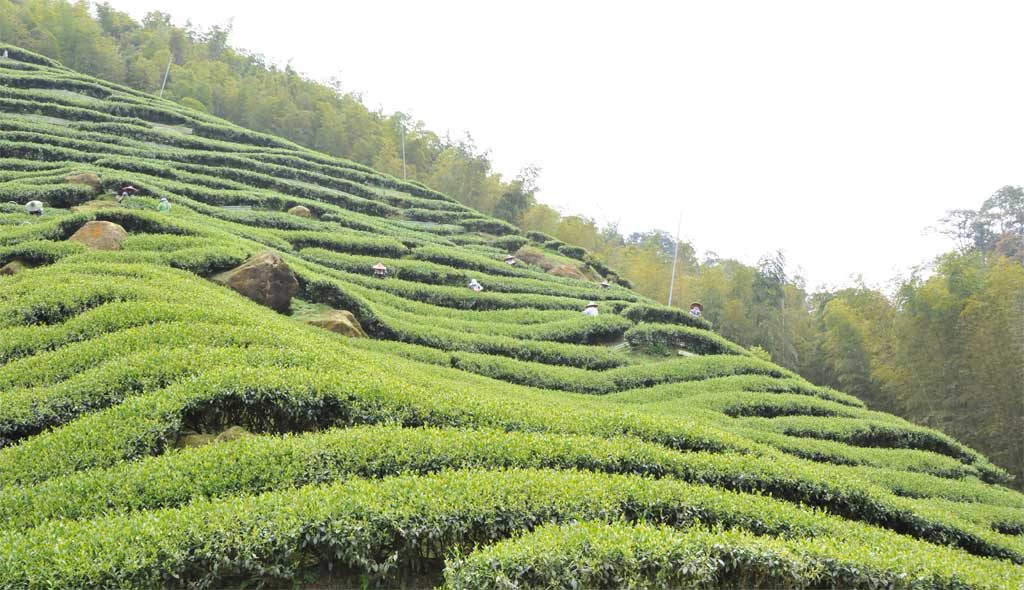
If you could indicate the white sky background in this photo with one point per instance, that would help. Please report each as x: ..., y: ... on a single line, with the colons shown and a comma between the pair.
x: 837, y: 132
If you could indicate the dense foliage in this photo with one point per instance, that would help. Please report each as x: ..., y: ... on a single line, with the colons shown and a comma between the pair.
x: 857, y: 339
x: 160, y: 430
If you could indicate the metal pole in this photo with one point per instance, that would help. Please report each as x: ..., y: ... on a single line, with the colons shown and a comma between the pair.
x: 166, y: 72
x: 675, y: 257
x: 403, y: 151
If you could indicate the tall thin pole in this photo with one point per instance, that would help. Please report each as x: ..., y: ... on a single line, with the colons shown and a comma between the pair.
x: 166, y: 73
x: 675, y: 257
x: 403, y: 151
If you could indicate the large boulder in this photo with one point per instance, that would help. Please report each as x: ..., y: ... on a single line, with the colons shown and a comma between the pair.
x: 300, y: 211
x: 100, y: 235
x: 340, y: 322
x: 265, y: 278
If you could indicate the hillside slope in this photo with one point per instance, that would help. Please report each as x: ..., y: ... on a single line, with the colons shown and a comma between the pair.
x: 493, y: 439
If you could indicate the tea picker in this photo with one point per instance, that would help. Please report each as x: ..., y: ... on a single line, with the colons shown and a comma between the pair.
x: 34, y: 208
x: 125, y: 191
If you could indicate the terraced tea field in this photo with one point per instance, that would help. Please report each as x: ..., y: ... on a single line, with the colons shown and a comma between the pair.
x: 159, y: 429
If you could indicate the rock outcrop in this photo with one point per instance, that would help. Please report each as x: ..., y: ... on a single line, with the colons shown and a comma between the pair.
x: 340, y: 322
x: 300, y: 211
x: 265, y: 278
x: 196, y: 439
x: 100, y: 235
x: 564, y: 270
x: 14, y: 266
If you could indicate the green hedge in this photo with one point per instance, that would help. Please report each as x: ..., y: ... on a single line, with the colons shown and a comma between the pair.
x: 664, y: 338
x: 573, y: 252
x: 867, y: 433
x: 346, y: 392
x: 106, y: 358
x: 661, y: 314
x: 262, y: 464
x: 433, y: 273
x: 622, y: 378
x: 596, y: 554
x: 389, y: 529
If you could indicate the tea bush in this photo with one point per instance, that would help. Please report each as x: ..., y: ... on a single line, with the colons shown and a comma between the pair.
x: 490, y: 431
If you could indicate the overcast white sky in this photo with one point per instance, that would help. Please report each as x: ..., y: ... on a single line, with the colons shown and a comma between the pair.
x: 837, y: 132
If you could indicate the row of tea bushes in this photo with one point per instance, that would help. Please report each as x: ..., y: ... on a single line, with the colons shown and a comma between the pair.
x: 385, y: 529
x: 598, y: 554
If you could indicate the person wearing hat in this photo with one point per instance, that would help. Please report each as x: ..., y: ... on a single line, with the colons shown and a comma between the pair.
x: 125, y: 191
x: 164, y: 205
x: 590, y: 309
x: 34, y: 208
x: 605, y: 284
x: 510, y: 260
x: 379, y: 270
x: 696, y: 309
x: 475, y: 285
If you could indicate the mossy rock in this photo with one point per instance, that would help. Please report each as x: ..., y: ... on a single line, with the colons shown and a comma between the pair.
x: 301, y: 211
x: 534, y: 256
x: 565, y: 270
x: 100, y: 235
x: 195, y: 439
x: 340, y: 322
x: 14, y: 267
x: 232, y: 433
x: 265, y: 278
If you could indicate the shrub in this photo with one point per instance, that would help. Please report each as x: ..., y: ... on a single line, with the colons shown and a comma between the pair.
x: 598, y: 554
x: 661, y: 314
x: 573, y: 252
x: 650, y: 337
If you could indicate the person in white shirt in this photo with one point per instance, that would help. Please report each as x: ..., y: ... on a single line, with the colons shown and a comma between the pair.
x: 590, y: 309
x: 475, y: 286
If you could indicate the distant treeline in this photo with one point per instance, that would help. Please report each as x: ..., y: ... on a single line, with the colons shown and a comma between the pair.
x: 947, y: 351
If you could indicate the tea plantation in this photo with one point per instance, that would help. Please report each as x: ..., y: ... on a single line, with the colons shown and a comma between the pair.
x: 159, y: 429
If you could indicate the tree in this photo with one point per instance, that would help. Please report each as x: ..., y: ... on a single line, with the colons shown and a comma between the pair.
x: 846, y: 351
x: 992, y: 325
x: 519, y: 198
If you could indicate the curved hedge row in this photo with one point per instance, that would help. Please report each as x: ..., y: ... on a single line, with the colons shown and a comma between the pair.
x: 596, y: 554
x: 108, y: 358
x: 660, y: 314
x: 261, y: 464
x: 620, y: 379
x: 386, y: 529
x: 661, y: 338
